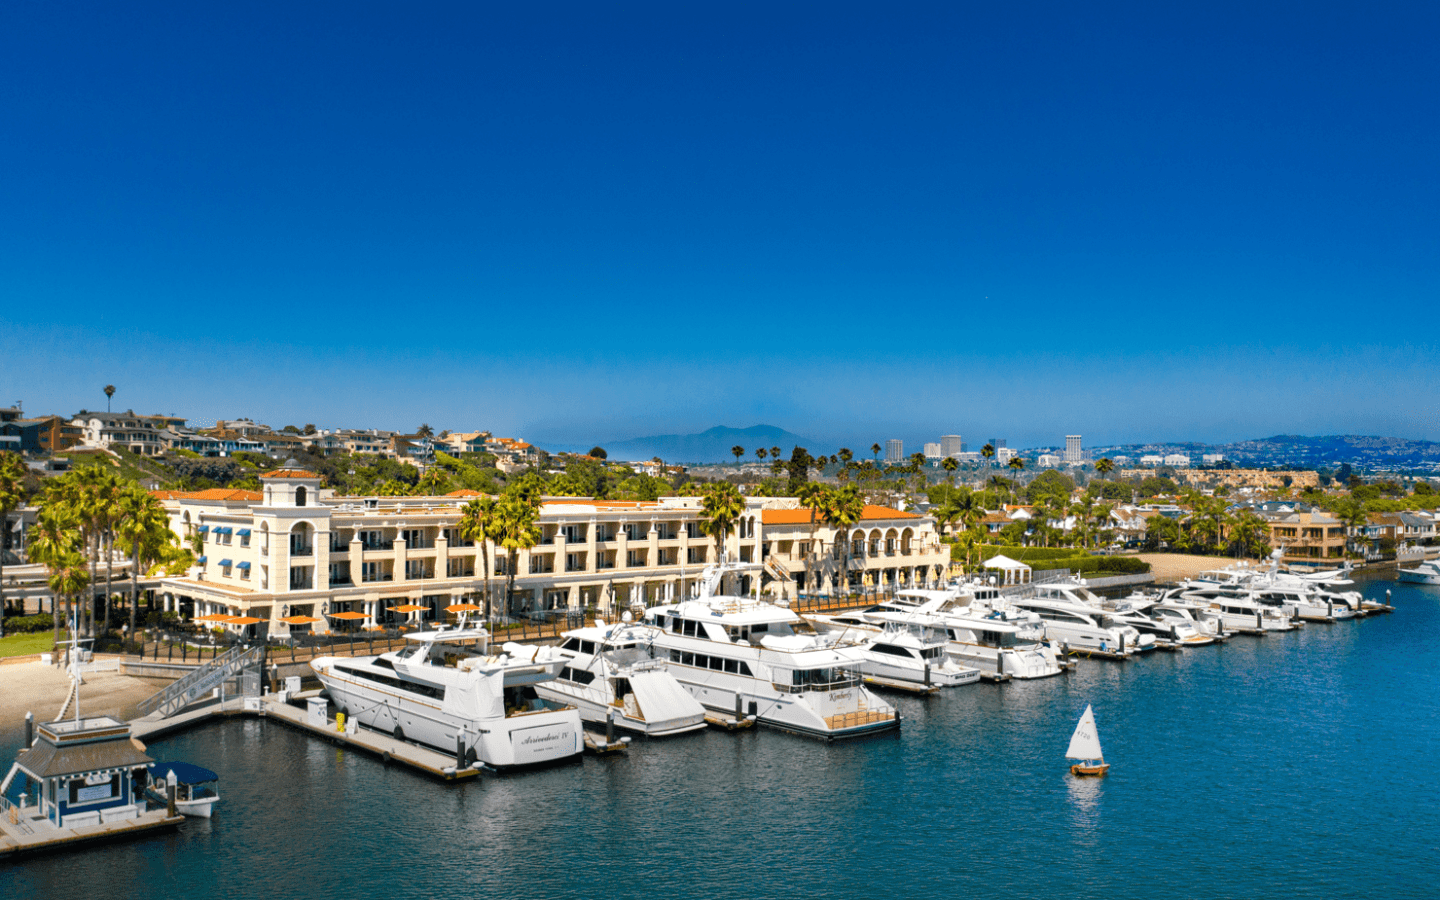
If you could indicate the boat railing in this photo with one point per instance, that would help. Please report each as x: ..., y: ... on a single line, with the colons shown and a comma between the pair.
x: 817, y: 686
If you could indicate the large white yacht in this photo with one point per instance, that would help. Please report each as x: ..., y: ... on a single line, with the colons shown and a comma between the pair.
x: 1078, y: 625
x: 984, y: 631
x: 446, y: 686
x: 745, y: 654
x: 611, y: 674
x: 914, y: 654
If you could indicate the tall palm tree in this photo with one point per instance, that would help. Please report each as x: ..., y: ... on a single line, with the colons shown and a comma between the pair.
x: 875, y: 450
x: 143, y: 525
x: 988, y: 451
x: 846, y: 507
x: 738, y: 452
x: 56, y: 547
x: 517, y: 527
x: 1104, y: 466
x: 917, y: 461
x: 845, y: 457
x: 109, y: 392
x: 950, y: 465
x: 720, y: 508
x: 1018, y: 465
x: 814, y: 496
x: 12, y: 492
x: 477, y: 523
x: 775, y: 452
x: 761, y: 453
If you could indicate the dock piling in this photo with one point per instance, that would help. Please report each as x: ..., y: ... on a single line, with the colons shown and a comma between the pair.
x: 29, y: 730
x: 459, y: 751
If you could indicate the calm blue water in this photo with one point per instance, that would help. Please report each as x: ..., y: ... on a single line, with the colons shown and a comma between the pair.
x: 1299, y: 765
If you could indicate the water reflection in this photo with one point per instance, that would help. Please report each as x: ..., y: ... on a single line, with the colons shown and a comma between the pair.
x: 1085, y: 796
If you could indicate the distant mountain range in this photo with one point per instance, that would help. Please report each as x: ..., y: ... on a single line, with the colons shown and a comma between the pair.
x: 1306, y: 452
x: 710, y: 446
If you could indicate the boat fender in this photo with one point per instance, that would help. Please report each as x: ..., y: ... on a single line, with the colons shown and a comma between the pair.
x: 385, y: 757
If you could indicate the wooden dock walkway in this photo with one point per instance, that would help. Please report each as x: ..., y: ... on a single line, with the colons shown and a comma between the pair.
x: 25, y: 831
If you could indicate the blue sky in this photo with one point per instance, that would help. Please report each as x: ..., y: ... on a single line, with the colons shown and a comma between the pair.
x: 579, y: 222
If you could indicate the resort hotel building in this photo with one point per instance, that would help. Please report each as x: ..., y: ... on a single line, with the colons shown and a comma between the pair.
x: 293, y: 551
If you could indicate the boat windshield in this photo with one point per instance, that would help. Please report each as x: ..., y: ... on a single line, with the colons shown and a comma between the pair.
x: 829, y: 678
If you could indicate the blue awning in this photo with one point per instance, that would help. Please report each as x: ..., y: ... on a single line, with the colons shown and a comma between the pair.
x: 244, y: 565
x: 225, y: 530
x: 244, y: 532
x: 203, y: 529
x: 226, y: 563
x: 185, y: 773
x: 202, y: 559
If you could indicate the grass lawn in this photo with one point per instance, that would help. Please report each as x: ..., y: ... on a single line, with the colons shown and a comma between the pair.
x: 27, y: 644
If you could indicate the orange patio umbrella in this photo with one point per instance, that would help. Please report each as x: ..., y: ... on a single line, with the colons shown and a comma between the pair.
x: 300, y: 620
x: 464, y: 608
x: 242, y: 620
x: 347, y: 616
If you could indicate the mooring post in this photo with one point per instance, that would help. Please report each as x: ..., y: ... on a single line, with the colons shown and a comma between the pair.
x: 29, y: 730
x: 927, y: 673
x: 1388, y: 601
x: 1122, y: 643
x: 609, y: 726
x: 459, y: 751
x: 737, y: 706
x: 1258, y: 626
x: 170, y: 786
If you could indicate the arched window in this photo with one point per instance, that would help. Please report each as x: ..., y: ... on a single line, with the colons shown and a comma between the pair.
x: 300, y: 496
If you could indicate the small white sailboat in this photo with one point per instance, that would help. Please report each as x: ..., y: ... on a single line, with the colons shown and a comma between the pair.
x: 1085, y: 747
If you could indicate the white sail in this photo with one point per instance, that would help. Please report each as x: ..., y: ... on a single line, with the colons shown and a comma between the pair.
x: 1085, y: 742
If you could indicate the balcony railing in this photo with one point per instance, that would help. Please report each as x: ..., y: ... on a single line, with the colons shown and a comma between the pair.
x: 301, y: 584
x: 297, y: 550
x: 384, y: 576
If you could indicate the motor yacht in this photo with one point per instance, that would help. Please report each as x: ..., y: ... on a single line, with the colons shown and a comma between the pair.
x: 611, y: 675
x: 913, y: 654
x: 446, y: 686
x: 1077, y: 625
x: 756, y: 658
x: 1427, y: 572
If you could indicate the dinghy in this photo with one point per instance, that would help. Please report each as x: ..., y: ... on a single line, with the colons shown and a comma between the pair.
x: 1085, y: 746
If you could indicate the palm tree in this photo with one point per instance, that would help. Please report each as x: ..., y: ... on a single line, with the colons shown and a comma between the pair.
x: 814, y: 497
x: 477, y: 523
x: 875, y: 450
x: 845, y: 456
x: 424, y: 431
x: 917, y: 461
x: 720, y: 508
x: 55, y: 546
x: 109, y: 392
x: 950, y: 464
x: 738, y: 452
x: 516, y: 524
x: 12, y: 492
x: 842, y: 512
x: 775, y: 452
x: 987, y: 451
x: 1104, y: 466
x: 143, y: 525
x: 1018, y: 465
x: 761, y: 453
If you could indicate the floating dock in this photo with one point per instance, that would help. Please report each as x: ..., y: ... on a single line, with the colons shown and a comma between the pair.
x: 26, y: 831
x: 728, y: 722
x: 909, y: 687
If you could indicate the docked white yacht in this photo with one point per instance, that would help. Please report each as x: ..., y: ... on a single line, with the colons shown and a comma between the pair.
x: 1238, y: 609
x: 744, y: 654
x: 984, y: 630
x: 1428, y: 572
x: 1078, y: 625
x: 446, y: 686
x: 611, y: 675
x: 914, y: 655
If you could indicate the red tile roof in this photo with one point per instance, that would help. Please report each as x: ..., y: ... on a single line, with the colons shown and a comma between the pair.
x: 289, y: 473
x: 802, y: 516
x: 225, y: 494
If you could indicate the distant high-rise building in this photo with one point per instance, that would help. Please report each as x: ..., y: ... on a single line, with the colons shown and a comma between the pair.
x: 951, y: 445
x: 997, y: 443
x: 894, y: 450
x: 932, y: 451
x: 1073, y: 453
x: 1003, y: 455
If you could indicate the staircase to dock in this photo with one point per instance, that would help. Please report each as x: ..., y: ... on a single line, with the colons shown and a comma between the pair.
x: 243, y: 661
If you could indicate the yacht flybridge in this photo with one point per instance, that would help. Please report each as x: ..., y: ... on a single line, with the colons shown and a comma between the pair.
x: 446, y: 686
x: 745, y: 655
x: 611, y: 675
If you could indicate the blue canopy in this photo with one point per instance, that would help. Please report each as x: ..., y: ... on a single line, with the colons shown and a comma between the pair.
x: 226, y: 530
x: 226, y: 562
x: 202, y: 559
x: 244, y: 565
x: 203, y: 529
x: 244, y: 532
x: 185, y: 773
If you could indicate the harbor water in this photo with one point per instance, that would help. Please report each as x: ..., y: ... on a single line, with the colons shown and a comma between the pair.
x: 1294, y: 765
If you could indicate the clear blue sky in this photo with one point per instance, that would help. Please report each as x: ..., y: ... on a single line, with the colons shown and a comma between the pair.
x: 591, y: 221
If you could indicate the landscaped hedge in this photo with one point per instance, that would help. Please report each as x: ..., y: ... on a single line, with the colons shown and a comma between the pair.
x: 29, y: 624
x: 1078, y: 561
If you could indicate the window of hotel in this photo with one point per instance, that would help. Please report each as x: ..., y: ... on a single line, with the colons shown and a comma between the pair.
x: 634, y: 558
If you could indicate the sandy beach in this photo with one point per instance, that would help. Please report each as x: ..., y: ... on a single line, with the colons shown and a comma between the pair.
x: 1168, y: 567
x: 41, y: 689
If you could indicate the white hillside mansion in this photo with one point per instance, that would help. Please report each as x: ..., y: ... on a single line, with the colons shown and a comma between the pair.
x: 294, y: 550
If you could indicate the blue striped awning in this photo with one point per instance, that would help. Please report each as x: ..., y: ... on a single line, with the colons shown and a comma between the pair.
x: 226, y: 563
x: 226, y: 530
x: 244, y: 532
x: 244, y: 565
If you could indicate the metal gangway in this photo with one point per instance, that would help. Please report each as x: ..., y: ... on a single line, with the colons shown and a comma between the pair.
x: 1027, y: 590
x: 246, y: 662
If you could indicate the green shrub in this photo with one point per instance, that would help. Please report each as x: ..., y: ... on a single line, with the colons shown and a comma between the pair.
x: 29, y: 624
